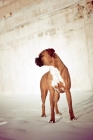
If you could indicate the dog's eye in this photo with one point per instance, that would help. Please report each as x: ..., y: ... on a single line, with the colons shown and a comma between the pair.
x: 41, y: 55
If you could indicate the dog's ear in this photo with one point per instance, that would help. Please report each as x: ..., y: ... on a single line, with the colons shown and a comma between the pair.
x: 51, y: 52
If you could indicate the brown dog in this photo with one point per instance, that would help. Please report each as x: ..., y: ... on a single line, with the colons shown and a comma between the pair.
x: 56, y: 81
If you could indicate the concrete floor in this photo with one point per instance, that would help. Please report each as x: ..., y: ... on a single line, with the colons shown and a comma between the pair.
x: 20, y: 118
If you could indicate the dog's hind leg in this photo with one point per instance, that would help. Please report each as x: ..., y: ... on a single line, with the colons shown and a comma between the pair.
x: 44, y: 91
x: 43, y: 98
x: 69, y: 100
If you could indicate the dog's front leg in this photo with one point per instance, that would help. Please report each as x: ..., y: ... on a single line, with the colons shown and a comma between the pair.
x: 52, y: 104
x: 57, y: 97
x: 69, y: 100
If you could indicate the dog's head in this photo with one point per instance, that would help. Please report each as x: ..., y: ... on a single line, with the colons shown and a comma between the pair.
x: 45, y: 57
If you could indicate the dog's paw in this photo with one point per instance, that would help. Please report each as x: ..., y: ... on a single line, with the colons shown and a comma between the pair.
x: 73, y: 118
x: 58, y: 114
x: 52, y: 121
x: 44, y: 115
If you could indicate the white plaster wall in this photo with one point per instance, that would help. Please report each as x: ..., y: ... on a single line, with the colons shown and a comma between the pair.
x: 24, y: 34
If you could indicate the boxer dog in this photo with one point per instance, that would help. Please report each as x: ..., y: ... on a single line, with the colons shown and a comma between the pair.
x: 56, y: 81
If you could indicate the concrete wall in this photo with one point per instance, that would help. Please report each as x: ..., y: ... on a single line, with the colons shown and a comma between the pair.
x: 27, y: 27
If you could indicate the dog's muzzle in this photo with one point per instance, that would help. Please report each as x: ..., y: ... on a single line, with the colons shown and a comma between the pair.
x: 38, y: 62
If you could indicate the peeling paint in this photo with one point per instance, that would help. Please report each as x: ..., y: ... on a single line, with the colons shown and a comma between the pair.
x: 51, y: 32
x: 40, y: 34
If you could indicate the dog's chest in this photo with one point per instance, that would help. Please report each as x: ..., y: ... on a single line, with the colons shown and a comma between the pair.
x: 56, y: 76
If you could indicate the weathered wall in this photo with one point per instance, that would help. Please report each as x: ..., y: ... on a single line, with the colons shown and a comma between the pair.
x: 31, y: 26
